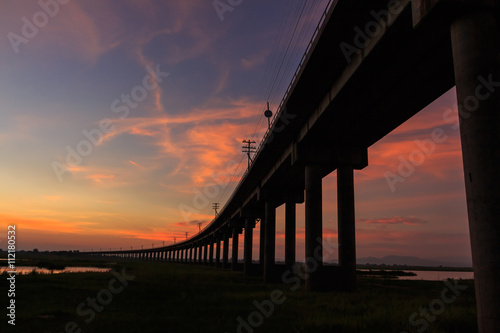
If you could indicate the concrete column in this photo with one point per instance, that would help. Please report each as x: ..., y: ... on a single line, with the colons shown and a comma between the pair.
x: 248, y: 244
x: 290, y: 231
x: 205, y: 254
x: 314, y: 227
x: 234, y: 261
x: 269, y: 240
x: 225, y: 252
x: 262, y: 237
x: 217, y: 252
x: 346, y: 226
x: 211, y: 253
x: 476, y: 46
x: 191, y: 255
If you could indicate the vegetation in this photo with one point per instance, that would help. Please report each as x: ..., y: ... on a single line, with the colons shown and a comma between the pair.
x: 190, y: 298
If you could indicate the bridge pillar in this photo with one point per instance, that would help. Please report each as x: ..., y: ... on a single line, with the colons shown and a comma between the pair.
x: 225, y: 252
x: 190, y: 255
x: 205, y: 254
x: 217, y: 252
x: 234, y: 261
x: 346, y: 226
x: 200, y: 254
x: 314, y: 226
x: 290, y: 230
x: 211, y: 253
x: 269, y: 240
x: 262, y: 237
x: 476, y: 46
x: 248, y: 244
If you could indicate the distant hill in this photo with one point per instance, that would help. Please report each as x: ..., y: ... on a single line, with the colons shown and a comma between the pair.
x: 416, y: 261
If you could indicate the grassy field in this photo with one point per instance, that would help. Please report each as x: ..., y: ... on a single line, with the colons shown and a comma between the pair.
x: 184, y: 298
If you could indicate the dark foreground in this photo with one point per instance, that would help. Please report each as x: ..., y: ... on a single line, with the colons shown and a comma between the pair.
x: 158, y: 297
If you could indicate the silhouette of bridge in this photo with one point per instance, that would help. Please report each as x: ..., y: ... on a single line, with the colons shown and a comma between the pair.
x: 370, y: 67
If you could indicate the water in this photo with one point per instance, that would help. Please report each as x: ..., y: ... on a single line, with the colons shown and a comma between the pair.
x: 438, y: 275
x: 29, y: 269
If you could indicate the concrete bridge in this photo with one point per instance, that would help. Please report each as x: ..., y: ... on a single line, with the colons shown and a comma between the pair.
x: 371, y: 66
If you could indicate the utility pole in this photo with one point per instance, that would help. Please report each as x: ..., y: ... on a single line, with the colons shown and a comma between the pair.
x: 199, y: 227
x: 186, y: 235
x: 215, y: 206
x: 249, y: 149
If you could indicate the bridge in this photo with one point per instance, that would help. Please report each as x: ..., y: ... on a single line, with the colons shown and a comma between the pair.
x: 370, y: 67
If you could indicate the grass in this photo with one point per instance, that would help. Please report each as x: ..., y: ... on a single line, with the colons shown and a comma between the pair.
x: 184, y: 298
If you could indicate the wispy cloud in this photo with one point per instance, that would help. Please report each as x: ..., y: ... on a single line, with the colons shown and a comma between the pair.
x: 394, y: 220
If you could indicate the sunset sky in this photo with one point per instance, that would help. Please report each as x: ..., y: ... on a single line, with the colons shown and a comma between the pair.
x: 85, y: 72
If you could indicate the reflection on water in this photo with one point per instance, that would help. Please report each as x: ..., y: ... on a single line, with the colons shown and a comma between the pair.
x: 29, y: 269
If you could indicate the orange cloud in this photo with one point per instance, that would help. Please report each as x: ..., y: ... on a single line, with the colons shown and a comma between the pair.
x: 394, y: 220
x: 52, y: 197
